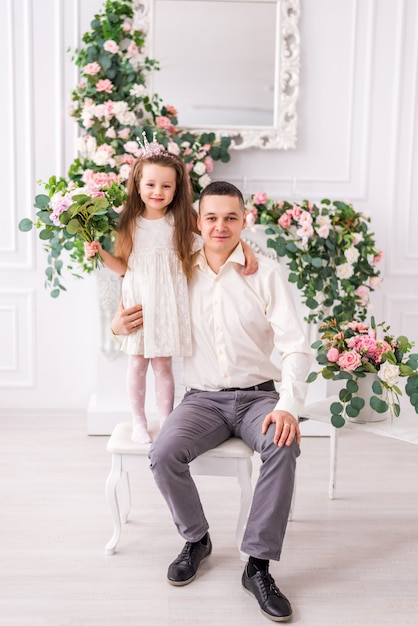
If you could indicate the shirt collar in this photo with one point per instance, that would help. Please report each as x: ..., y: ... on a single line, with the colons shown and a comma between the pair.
x: 236, y: 256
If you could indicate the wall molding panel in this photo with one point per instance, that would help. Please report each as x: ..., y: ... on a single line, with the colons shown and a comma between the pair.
x: 404, y: 183
x: 17, y: 315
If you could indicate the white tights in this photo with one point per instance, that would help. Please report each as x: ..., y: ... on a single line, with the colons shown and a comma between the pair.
x: 136, y: 384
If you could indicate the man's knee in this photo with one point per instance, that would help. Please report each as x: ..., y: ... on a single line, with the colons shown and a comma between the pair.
x: 284, y: 456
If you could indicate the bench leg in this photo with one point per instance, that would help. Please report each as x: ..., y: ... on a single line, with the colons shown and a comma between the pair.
x: 112, y: 500
x: 244, y: 479
x: 124, y: 496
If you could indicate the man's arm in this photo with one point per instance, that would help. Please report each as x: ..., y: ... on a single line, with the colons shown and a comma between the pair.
x: 126, y: 321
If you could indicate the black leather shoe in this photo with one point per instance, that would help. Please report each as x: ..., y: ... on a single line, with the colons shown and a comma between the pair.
x: 273, y: 603
x: 184, y: 569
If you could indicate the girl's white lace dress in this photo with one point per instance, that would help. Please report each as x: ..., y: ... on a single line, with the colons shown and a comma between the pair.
x: 155, y: 279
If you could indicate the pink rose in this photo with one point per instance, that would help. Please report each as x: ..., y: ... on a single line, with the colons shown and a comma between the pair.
x: 111, y: 46
x: 251, y: 216
x: 305, y: 231
x: 171, y: 110
x: 260, y: 198
x: 375, y: 281
x: 296, y: 211
x: 349, y: 360
x: 285, y: 221
x: 378, y: 257
x: 208, y: 161
x: 333, y: 355
x: 358, y: 326
x: 163, y: 121
x: 92, y: 68
x: 104, y: 85
x: 173, y: 147
x: 362, y: 292
x: 132, y: 50
x: 381, y: 348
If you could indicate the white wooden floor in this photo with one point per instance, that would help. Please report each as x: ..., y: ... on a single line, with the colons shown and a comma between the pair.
x: 349, y: 561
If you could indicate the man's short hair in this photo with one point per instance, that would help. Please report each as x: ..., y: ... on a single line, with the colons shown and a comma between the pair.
x: 222, y: 188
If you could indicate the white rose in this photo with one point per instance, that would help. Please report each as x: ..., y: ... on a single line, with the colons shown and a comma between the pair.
x: 199, y: 168
x: 102, y: 158
x: 389, y: 373
x: 352, y: 254
x: 345, y: 270
x: 138, y: 90
x: 204, y: 181
x: 323, y: 220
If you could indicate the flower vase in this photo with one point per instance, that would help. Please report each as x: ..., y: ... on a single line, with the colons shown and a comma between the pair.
x: 365, y: 391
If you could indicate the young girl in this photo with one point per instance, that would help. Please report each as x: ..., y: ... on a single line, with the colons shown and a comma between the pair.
x: 156, y: 240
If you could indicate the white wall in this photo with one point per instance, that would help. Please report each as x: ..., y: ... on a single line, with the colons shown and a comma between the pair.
x: 357, y: 140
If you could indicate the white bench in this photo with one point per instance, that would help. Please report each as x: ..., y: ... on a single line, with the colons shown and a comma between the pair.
x: 231, y: 458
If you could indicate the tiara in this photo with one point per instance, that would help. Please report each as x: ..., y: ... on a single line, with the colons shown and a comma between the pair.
x: 152, y: 148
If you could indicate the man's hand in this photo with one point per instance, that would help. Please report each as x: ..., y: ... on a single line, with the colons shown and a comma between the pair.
x: 287, y: 427
x: 127, y: 321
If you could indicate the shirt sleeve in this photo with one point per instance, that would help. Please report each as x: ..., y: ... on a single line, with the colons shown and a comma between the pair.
x: 290, y: 342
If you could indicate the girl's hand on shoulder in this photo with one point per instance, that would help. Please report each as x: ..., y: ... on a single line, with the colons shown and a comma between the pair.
x: 92, y: 248
x: 251, y: 263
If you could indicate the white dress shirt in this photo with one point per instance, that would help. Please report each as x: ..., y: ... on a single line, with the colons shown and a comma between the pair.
x: 236, y: 323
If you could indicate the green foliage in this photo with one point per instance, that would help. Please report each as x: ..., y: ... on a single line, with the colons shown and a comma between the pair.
x: 350, y: 352
x: 329, y: 250
x: 112, y: 106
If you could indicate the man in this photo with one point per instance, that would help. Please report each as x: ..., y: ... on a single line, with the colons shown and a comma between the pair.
x: 236, y: 322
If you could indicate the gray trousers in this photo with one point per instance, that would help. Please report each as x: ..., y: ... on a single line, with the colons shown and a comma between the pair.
x: 199, y: 423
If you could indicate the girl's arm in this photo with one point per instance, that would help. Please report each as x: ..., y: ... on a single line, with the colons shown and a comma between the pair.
x: 251, y: 263
x: 113, y: 263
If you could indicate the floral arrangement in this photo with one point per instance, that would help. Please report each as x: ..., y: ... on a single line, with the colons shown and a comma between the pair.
x: 112, y: 106
x: 332, y: 255
x: 350, y: 351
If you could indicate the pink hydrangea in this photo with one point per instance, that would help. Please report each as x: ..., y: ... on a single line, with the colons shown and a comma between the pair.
x: 96, y: 180
x: 60, y: 204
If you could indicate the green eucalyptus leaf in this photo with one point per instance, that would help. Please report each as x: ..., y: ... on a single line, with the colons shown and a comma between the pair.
x: 377, y: 387
x: 45, y: 235
x: 358, y: 402
x: 74, y: 226
x: 311, y: 377
x: 25, y: 225
x: 42, y: 201
x: 337, y: 421
x: 336, y: 408
x: 378, y: 405
x: 352, y: 386
x: 352, y: 411
x: 344, y: 395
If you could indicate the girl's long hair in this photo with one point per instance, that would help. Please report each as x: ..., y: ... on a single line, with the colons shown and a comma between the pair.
x: 181, y: 207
